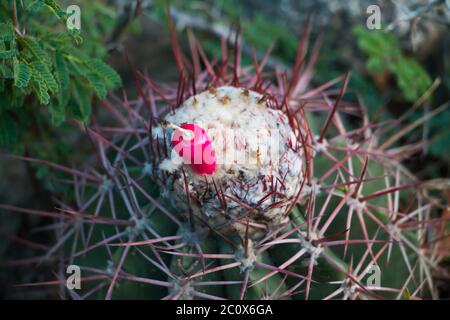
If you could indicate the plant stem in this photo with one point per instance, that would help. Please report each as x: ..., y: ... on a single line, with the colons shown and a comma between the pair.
x: 15, y: 19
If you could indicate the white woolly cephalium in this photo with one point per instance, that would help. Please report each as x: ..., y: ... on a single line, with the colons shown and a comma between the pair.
x: 259, y: 160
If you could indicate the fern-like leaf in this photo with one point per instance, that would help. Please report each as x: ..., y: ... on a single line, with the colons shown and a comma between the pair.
x: 62, y: 73
x: 6, y: 32
x: 35, y: 6
x: 57, y: 10
x: 22, y: 74
x: 82, y: 111
x: 8, y: 54
x: 97, y: 84
x: 45, y: 75
x: 6, y: 72
x: 36, y: 50
x: 63, y: 77
x: 39, y: 87
x: 109, y: 75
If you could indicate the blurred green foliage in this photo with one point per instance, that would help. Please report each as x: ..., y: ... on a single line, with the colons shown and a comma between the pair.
x: 385, y: 54
x: 440, y: 135
x: 44, y: 63
x: 48, y: 75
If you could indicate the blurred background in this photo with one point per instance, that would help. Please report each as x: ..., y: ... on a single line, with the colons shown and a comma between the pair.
x: 406, y: 61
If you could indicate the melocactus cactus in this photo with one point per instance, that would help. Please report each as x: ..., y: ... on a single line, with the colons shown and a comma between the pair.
x: 302, y: 208
x: 259, y: 161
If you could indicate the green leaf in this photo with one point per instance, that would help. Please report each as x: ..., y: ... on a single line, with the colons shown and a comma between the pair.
x: 412, y: 78
x: 57, y: 39
x: 6, y: 32
x: 35, y: 6
x: 9, y: 132
x: 76, y: 69
x: 22, y: 74
x: 8, y: 54
x: 42, y: 92
x: 62, y: 73
x: 97, y: 84
x: 76, y: 35
x: 39, y: 86
x: 83, y: 104
x: 45, y: 75
x: 6, y: 71
x: 36, y: 50
x: 375, y: 64
x: 57, y: 113
x: 57, y: 10
x: 108, y: 74
x: 63, y: 77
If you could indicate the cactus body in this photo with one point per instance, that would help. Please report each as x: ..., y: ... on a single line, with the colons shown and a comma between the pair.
x: 309, y: 221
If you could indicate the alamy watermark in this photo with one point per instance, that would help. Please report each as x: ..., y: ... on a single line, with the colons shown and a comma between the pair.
x: 74, y: 17
x: 373, y: 21
x: 374, y: 278
x: 73, y: 281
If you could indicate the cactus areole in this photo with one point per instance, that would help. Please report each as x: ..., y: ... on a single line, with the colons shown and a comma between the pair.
x: 234, y: 156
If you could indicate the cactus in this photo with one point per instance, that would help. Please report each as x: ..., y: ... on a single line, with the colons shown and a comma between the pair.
x: 332, y: 208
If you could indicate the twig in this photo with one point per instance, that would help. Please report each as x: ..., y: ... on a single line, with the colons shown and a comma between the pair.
x: 15, y: 18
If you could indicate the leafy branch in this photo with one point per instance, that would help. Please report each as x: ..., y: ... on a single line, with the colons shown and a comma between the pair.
x: 46, y: 67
